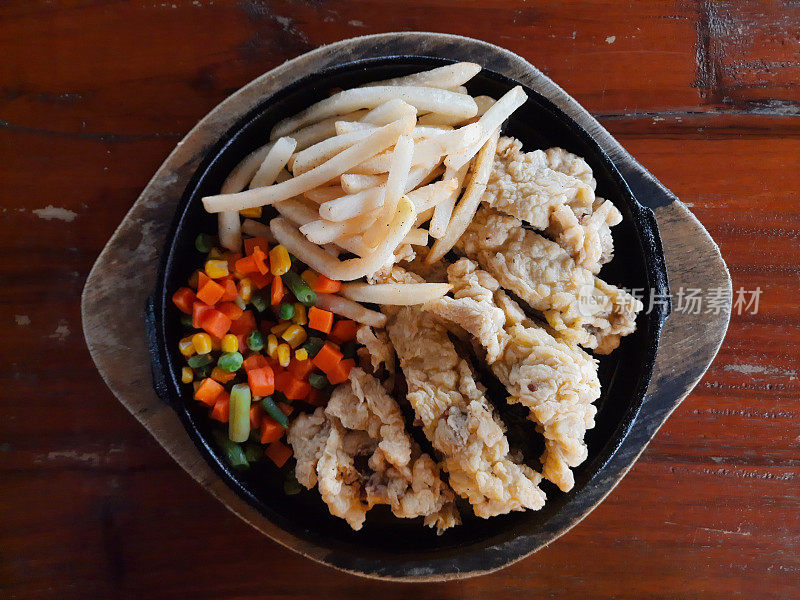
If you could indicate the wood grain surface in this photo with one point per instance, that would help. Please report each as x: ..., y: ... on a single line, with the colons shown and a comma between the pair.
x: 93, y: 96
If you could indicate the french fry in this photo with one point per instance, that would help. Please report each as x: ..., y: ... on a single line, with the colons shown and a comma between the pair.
x: 430, y: 195
x: 321, y: 231
x: 484, y: 103
x: 448, y: 76
x: 315, y: 256
x: 349, y: 309
x: 397, y: 294
x: 297, y: 211
x: 317, y: 154
x: 257, y: 229
x: 343, y: 127
x: 492, y: 119
x: 416, y: 237
x: 341, y: 163
x: 465, y: 209
x: 353, y: 183
x: 229, y: 228
x: 352, y: 205
x: 395, y: 184
x: 273, y: 162
x: 422, y: 98
x: 439, y: 120
x: 444, y: 209
x: 324, y: 194
x: 424, y: 152
x: 308, y: 136
x: 389, y: 111
x: 459, y: 89
x: 425, y: 215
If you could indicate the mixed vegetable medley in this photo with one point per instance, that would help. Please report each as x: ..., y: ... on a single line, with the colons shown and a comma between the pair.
x: 257, y: 347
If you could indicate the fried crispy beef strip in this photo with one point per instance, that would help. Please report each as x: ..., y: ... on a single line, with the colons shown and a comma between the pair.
x: 558, y: 383
x: 553, y: 190
x: 363, y: 421
x: 580, y: 307
x: 458, y: 420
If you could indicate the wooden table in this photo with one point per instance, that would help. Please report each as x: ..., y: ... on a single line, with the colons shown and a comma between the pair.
x: 93, y: 96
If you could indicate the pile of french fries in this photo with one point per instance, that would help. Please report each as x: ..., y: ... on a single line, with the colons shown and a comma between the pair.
x: 364, y: 170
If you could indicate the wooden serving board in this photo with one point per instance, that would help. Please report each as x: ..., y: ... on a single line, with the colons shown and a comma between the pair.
x: 124, y: 274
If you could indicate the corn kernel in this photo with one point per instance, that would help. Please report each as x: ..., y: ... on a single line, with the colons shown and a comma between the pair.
x: 216, y: 268
x: 299, y: 317
x: 272, y: 345
x: 294, y: 335
x: 284, y: 355
x: 186, y: 346
x: 214, y: 254
x: 301, y: 354
x: 280, y: 327
x: 309, y: 277
x: 201, y: 343
x: 246, y: 289
x: 279, y: 261
x: 187, y: 375
x: 230, y: 343
x: 221, y: 376
x: 251, y: 213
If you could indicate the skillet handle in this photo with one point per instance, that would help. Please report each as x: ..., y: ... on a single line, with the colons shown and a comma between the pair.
x: 158, y: 362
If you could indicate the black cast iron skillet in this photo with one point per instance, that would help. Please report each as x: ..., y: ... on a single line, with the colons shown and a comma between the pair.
x: 388, y: 546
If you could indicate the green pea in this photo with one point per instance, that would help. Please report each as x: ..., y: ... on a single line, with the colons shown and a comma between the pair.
x: 203, y: 372
x: 230, y: 362
x: 313, y: 345
x: 286, y: 311
x: 200, y: 360
x: 186, y: 321
x: 255, y: 341
x: 204, y: 242
x: 258, y: 302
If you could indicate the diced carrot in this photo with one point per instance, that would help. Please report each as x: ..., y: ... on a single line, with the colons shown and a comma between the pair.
x: 316, y: 397
x: 241, y: 338
x: 279, y: 453
x: 290, y: 386
x: 230, y: 310
x: 300, y: 368
x: 210, y: 292
x: 344, y: 331
x: 244, y: 324
x: 232, y: 257
x: 255, y: 361
x: 194, y: 278
x: 198, y: 311
x: 258, y: 257
x: 221, y: 375
x: 221, y: 408
x: 261, y: 381
x: 208, y: 391
x: 256, y: 416
x: 275, y: 365
x: 230, y: 290
x: 324, y: 285
x: 277, y: 291
x: 286, y: 408
x: 215, y: 323
x: 184, y: 299
x: 271, y: 430
x: 327, y: 359
x: 202, y: 279
x: 320, y: 319
x: 251, y: 243
x: 342, y: 371
x: 246, y: 265
x: 260, y: 281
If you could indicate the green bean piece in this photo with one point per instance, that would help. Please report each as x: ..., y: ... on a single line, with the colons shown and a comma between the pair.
x: 313, y: 345
x: 258, y: 302
x: 200, y: 360
x: 233, y: 451
x: 255, y: 341
x: 203, y: 372
x: 276, y: 413
x: 239, y: 413
x: 186, y: 321
x: 299, y: 288
x: 291, y: 486
x: 348, y: 349
x: 240, y: 303
x: 253, y: 452
x: 230, y: 361
x: 286, y: 311
x: 204, y: 242
x: 318, y: 380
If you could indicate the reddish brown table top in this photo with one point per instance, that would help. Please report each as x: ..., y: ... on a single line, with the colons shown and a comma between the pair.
x: 93, y: 96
